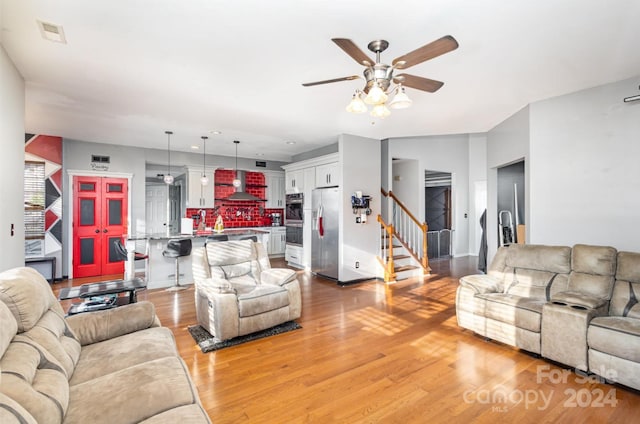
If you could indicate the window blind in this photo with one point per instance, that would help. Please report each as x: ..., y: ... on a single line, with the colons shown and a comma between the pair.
x: 34, y: 200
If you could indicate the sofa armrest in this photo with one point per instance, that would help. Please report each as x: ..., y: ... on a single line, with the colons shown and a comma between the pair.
x: 482, y: 283
x: 578, y: 300
x: 277, y: 276
x: 94, y: 327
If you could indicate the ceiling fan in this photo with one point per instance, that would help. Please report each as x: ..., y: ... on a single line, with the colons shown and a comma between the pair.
x: 379, y: 75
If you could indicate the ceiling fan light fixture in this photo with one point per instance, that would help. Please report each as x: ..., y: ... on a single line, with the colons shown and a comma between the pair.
x: 356, y: 105
x: 380, y: 111
x: 400, y: 100
x: 376, y: 96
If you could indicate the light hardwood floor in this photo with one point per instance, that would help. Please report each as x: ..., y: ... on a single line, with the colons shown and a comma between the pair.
x: 390, y: 354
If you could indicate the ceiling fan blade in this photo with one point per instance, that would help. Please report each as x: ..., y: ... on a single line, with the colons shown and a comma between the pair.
x: 310, y: 84
x: 354, y: 51
x: 426, y: 52
x: 420, y: 83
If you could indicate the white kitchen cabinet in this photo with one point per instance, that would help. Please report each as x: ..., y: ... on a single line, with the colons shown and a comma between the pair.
x: 293, y: 256
x: 199, y: 196
x: 277, y: 241
x: 328, y: 175
x: 275, y: 190
x: 294, y: 181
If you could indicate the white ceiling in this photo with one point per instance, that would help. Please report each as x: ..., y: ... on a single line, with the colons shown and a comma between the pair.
x: 132, y: 69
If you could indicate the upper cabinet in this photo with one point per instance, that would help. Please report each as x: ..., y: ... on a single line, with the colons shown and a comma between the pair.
x: 304, y: 176
x: 275, y: 183
x: 328, y: 175
x: 294, y: 181
x: 198, y: 195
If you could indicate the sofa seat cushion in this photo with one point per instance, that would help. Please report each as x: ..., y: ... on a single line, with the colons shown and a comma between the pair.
x: 261, y: 299
x: 521, y: 312
x: 115, y: 354
x: 617, y: 336
x: 578, y: 299
x: 132, y: 394
x: 188, y: 414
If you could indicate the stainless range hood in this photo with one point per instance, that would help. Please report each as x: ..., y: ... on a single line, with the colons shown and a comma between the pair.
x: 240, y: 193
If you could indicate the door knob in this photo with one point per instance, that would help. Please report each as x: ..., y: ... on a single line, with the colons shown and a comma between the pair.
x: 105, y: 230
x: 97, y: 231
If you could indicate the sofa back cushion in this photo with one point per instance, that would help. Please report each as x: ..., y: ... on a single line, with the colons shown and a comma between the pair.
x: 536, y: 271
x: 626, y: 290
x: 593, y: 270
x: 38, y: 315
x: 9, y: 327
x: 32, y: 377
x: 233, y: 259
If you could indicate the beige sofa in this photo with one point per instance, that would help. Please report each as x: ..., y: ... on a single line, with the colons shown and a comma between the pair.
x: 238, y: 293
x: 114, y: 366
x: 577, y: 306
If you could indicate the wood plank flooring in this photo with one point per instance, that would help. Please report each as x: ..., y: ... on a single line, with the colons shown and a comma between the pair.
x: 372, y: 353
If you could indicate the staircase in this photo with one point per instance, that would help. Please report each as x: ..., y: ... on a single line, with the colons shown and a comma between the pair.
x: 403, y: 247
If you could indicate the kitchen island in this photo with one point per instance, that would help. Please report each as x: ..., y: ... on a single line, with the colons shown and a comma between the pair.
x: 160, y: 269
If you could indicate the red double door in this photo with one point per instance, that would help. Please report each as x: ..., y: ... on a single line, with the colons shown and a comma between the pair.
x: 99, y: 220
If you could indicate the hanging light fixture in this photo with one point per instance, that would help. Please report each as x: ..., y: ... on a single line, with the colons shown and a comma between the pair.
x: 357, y: 105
x: 236, y: 180
x: 378, y: 98
x: 204, y: 180
x: 168, y: 179
x: 400, y: 100
x: 376, y: 95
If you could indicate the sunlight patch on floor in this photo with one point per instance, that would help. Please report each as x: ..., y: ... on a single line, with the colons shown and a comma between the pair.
x: 379, y: 322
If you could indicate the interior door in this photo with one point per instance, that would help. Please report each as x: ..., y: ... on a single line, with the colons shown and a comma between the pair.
x: 156, y: 208
x: 99, y: 219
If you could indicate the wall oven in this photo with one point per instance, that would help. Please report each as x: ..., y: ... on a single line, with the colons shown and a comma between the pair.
x: 294, y: 208
x: 294, y: 234
x: 294, y: 218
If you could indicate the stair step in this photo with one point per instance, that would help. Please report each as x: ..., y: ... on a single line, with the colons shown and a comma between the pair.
x: 404, y: 268
x: 395, y: 246
x: 399, y: 257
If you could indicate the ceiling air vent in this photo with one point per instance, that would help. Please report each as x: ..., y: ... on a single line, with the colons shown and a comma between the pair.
x: 52, y: 32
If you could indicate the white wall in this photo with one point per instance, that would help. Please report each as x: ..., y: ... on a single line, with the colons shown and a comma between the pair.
x: 407, y: 180
x: 446, y: 153
x: 508, y: 142
x: 12, y: 163
x: 360, y: 160
x: 477, y: 187
x: 585, y: 168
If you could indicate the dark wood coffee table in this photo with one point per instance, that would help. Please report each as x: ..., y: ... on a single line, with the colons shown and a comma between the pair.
x: 94, y: 295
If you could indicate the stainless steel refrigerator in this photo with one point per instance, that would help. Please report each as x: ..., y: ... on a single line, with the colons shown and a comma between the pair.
x: 324, y: 232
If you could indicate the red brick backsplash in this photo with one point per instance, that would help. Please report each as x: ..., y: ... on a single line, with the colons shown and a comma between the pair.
x: 236, y: 213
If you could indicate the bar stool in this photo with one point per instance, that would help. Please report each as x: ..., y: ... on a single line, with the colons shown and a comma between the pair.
x: 176, y: 249
x: 123, y: 254
x: 214, y: 238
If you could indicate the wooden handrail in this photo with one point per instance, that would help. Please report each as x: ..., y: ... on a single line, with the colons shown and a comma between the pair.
x: 424, y: 260
x: 404, y: 208
x: 389, y: 267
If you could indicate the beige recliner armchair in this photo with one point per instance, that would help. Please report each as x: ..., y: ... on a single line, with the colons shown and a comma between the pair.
x: 237, y: 292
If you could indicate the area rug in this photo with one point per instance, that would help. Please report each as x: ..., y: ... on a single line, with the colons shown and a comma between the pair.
x: 208, y: 343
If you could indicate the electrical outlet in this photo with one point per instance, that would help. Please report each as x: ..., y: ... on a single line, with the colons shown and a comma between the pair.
x: 357, y: 264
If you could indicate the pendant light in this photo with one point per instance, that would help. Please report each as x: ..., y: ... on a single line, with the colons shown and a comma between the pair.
x: 168, y: 179
x: 236, y: 180
x: 204, y: 180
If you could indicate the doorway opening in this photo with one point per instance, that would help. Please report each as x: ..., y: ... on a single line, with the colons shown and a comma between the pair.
x: 438, y: 213
x: 511, y: 204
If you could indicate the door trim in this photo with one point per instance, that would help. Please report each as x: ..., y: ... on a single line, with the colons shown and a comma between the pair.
x: 69, y: 201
